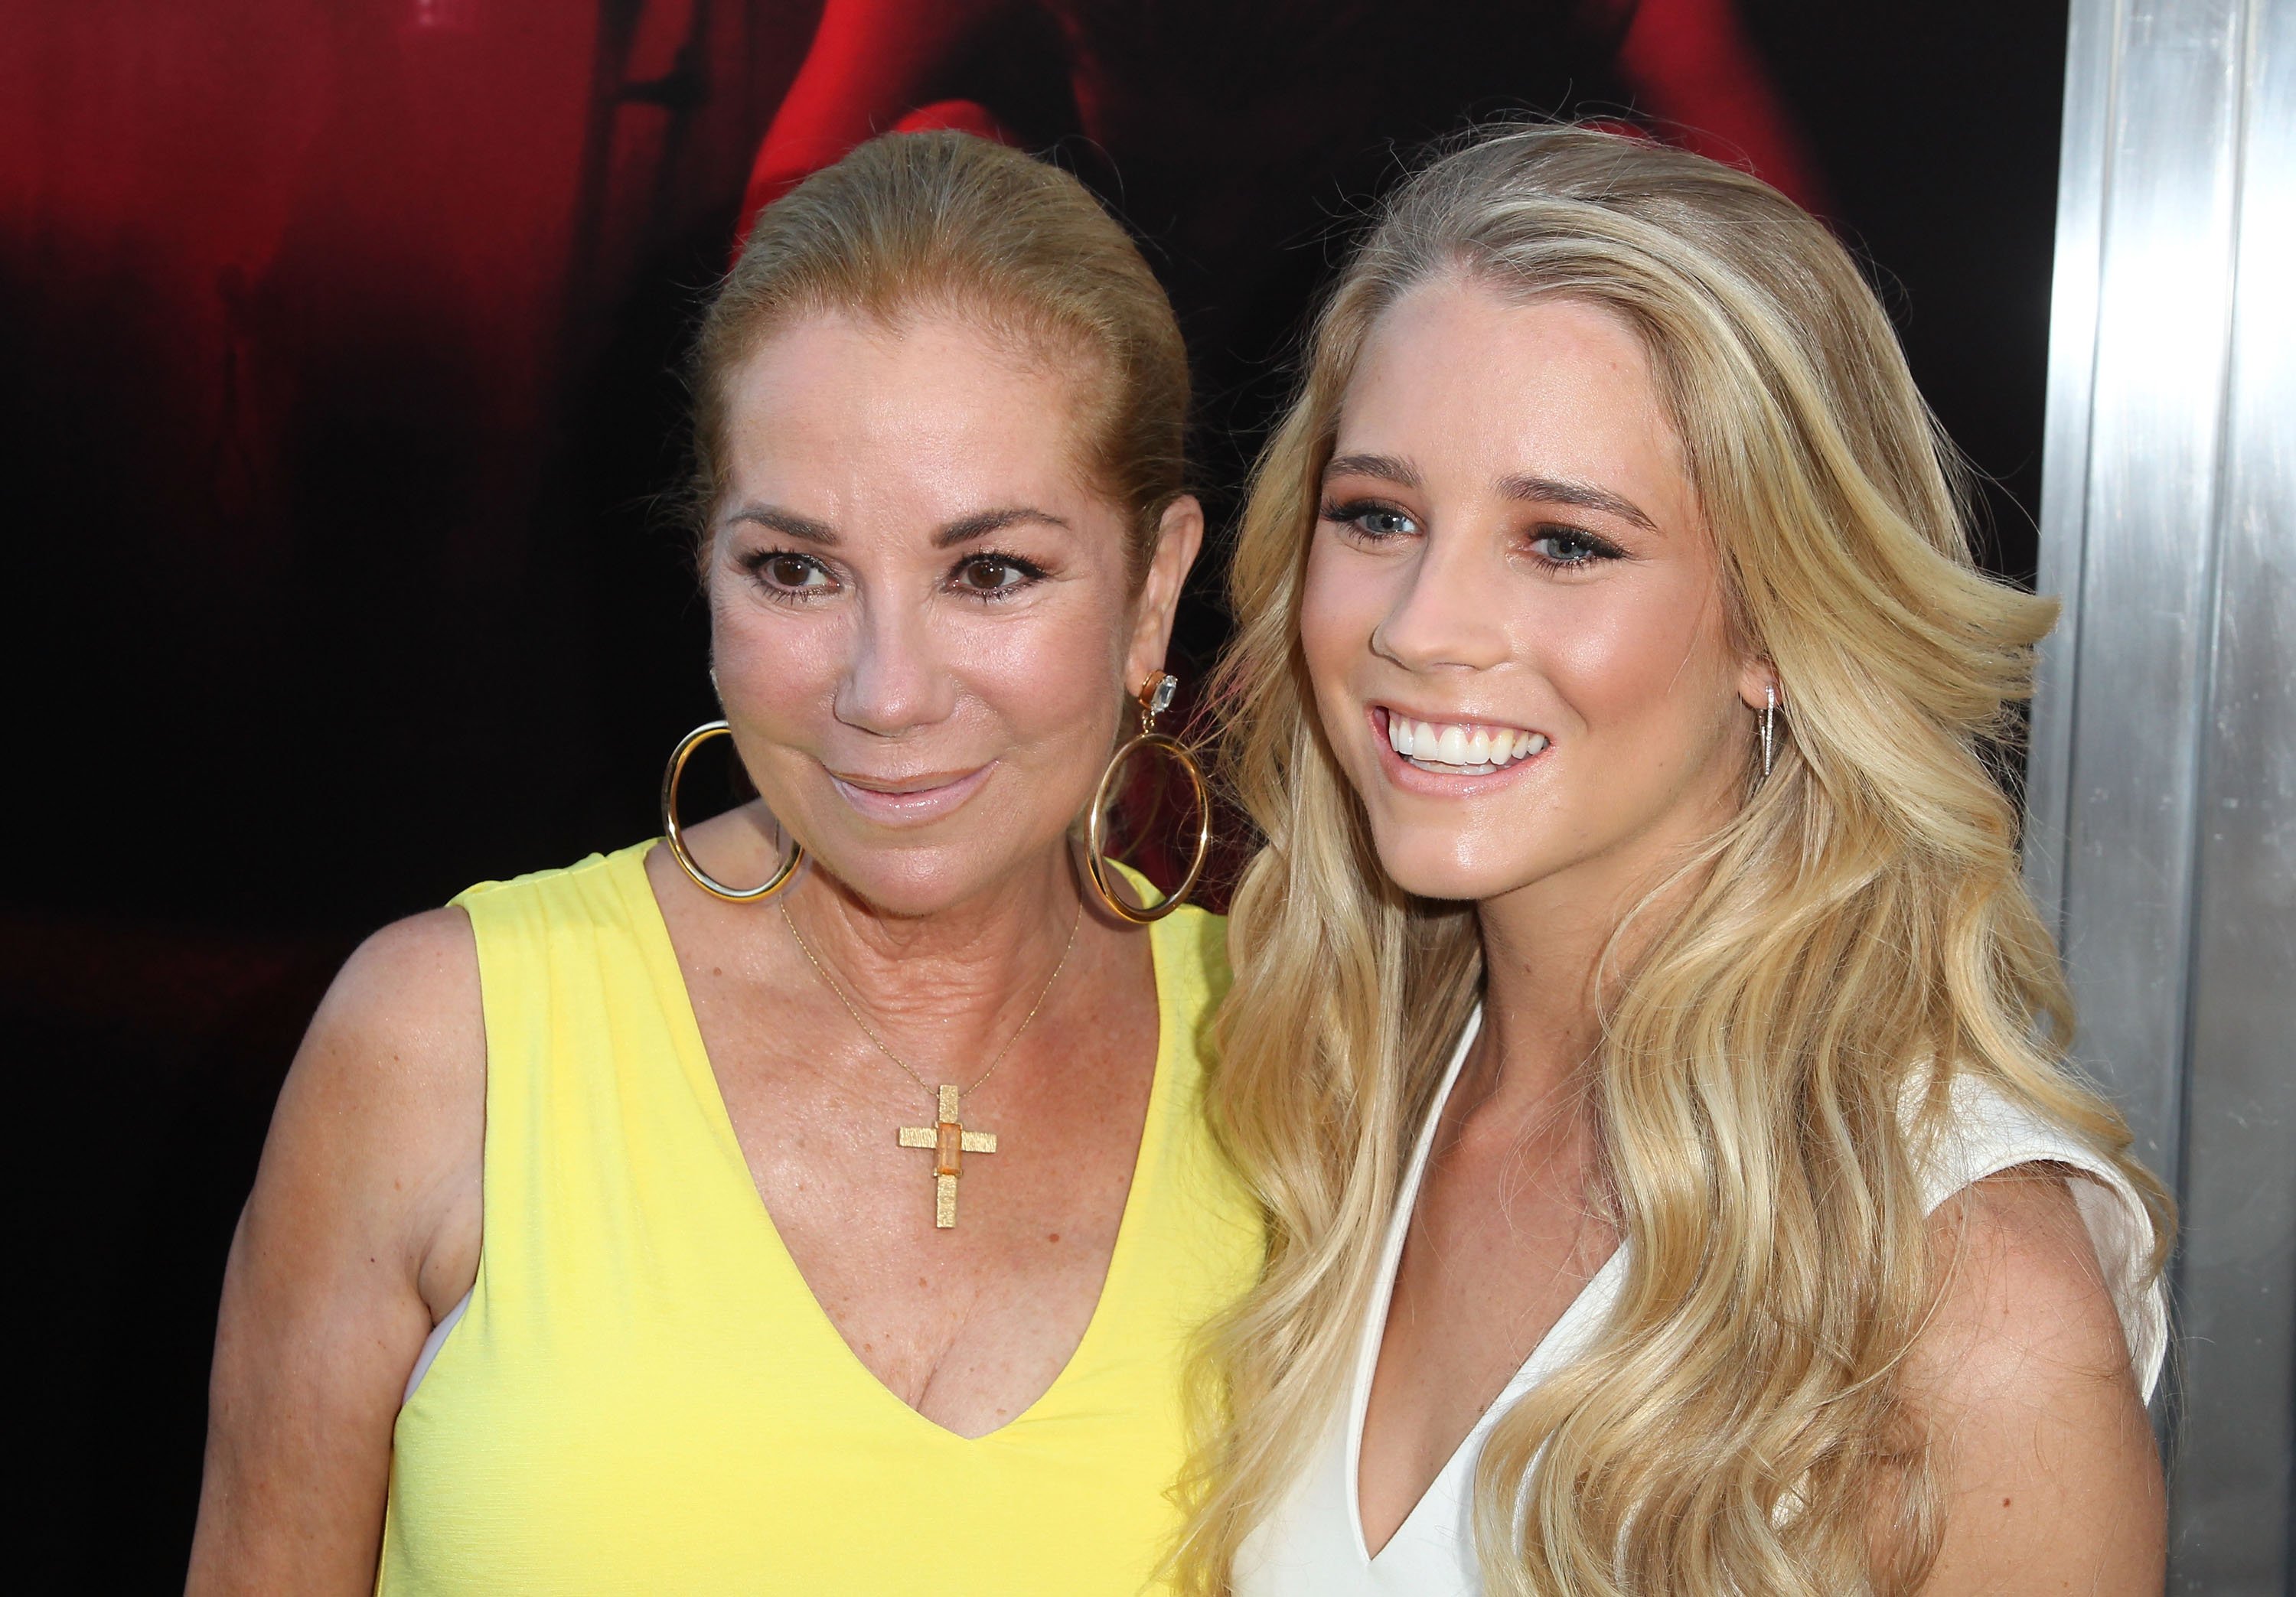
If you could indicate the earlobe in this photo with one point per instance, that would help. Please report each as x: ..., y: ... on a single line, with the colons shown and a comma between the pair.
x: 1758, y: 687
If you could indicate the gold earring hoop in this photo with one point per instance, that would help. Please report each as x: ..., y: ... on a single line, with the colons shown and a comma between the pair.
x: 1155, y: 697
x: 673, y: 834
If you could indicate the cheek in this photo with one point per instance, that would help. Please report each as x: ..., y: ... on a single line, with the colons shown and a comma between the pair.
x: 1340, y: 605
x: 771, y: 663
x: 1612, y: 658
x: 1649, y: 659
x: 1049, y: 678
x: 1331, y: 641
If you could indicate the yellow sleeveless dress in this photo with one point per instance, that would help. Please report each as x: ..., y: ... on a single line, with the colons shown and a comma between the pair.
x: 643, y: 1397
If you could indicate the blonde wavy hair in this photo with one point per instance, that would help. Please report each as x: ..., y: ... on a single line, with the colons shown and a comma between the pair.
x: 1853, y: 937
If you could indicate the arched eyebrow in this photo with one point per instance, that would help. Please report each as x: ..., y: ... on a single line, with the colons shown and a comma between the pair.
x: 981, y: 524
x: 1525, y: 488
x: 964, y: 530
x: 1387, y: 468
x: 1585, y: 496
x: 773, y: 518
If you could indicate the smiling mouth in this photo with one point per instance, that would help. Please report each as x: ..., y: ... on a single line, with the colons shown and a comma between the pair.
x: 1457, y: 747
x: 903, y: 787
x: 912, y: 800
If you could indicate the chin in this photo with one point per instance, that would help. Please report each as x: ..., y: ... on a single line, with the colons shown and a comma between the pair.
x: 905, y: 881
x: 1449, y: 868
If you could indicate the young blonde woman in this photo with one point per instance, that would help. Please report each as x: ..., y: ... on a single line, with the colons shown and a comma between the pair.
x: 1643, y: 1048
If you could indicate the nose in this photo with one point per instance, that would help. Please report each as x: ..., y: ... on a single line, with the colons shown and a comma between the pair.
x: 894, y: 681
x: 1448, y: 611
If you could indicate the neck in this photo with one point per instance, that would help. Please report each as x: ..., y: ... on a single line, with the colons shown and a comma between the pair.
x: 1554, y: 952
x: 945, y: 990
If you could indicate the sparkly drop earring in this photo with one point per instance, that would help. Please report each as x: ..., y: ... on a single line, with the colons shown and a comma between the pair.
x: 1769, y: 727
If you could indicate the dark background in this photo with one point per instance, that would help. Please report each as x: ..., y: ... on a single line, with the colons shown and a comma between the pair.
x: 337, y: 385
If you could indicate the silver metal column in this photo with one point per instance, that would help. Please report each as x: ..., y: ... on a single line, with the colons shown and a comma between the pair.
x: 2162, y: 786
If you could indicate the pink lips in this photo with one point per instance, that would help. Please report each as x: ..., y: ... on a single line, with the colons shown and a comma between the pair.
x: 909, y: 800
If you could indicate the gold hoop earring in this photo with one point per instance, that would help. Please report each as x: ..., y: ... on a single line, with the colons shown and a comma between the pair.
x: 1155, y: 697
x: 675, y: 836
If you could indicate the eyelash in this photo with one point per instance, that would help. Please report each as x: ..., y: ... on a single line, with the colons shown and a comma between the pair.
x: 1031, y: 574
x: 1597, y: 549
x: 757, y: 562
x: 1351, y: 515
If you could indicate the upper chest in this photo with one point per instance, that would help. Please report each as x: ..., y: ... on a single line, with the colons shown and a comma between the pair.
x: 1500, y: 1243
x: 969, y: 1323
x: 1495, y: 1248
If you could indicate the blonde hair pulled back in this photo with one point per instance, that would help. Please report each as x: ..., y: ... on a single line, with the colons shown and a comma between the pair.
x: 1774, y: 1061
x: 950, y: 224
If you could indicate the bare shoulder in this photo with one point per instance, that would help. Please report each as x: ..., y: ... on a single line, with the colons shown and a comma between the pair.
x: 363, y: 1227
x: 415, y: 982
x: 2022, y: 1378
x: 389, y: 1087
x: 396, y: 1055
x: 382, y: 1117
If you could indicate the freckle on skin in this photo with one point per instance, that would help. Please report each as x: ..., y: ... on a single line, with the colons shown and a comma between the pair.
x: 1052, y: 1236
x: 2005, y: 1502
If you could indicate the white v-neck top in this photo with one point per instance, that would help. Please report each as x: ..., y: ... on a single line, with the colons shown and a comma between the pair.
x: 1313, y: 1545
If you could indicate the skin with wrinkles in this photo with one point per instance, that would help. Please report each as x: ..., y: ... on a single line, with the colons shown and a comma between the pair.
x: 924, y: 620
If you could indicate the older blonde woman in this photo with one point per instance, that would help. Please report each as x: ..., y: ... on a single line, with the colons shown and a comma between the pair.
x: 1642, y: 1043
x: 818, y: 1203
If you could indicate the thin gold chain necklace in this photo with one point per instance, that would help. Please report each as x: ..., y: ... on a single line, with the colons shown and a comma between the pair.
x: 947, y: 1137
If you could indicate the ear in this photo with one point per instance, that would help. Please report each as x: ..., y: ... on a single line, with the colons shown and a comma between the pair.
x: 1758, y: 679
x: 1179, y: 536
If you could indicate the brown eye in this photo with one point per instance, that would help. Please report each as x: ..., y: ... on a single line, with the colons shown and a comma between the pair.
x: 791, y: 571
x: 994, y: 576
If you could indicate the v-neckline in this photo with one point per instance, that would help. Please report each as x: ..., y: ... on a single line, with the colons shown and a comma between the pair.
x: 1599, y: 1289
x: 685, y: 1028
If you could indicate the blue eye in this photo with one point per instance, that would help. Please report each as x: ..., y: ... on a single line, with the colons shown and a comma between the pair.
x: 1569, y: 546
x: 1372, y: 520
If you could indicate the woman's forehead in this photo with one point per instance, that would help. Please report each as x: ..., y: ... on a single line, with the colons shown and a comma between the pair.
x: 848, y: 424
x: 1460, y: 383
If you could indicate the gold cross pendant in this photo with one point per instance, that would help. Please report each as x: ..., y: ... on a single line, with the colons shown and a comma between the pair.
x: 950, y: 1142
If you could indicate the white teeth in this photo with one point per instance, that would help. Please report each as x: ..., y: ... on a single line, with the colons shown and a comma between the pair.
x: 1476, y: 749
